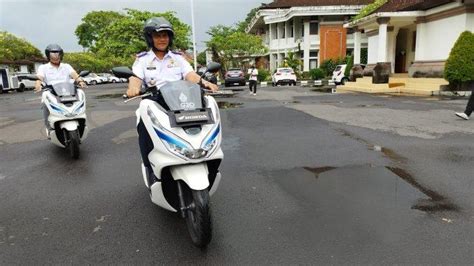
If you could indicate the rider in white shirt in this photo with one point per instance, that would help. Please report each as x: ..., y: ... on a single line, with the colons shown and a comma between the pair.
x: 156, y: 67
x: 55, y: 71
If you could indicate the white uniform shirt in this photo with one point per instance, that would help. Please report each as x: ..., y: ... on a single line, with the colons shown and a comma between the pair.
x: 253, y: 74
x: 52, y: 74
x: 157, y: 72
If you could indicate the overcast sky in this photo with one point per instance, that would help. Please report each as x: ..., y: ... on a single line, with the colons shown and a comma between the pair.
x: 54, y: 21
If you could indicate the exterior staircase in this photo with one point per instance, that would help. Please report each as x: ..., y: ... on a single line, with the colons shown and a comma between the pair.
x: 398, y: 83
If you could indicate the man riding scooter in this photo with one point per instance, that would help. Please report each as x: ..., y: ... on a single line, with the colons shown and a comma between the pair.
x: 158, y: 66
x: 54, y: 71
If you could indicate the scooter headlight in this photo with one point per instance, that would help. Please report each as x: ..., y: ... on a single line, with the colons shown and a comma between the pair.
x: 211, y: 141
x: 79, y: 109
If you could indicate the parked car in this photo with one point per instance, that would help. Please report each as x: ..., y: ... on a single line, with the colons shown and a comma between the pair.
x: 109, y: 77
x: 92, y: 79
x: 234, y: 76
x: 10, y: 82
x: 211, y: 77
x: 25, y: 84
x: 338, y: 75
x: 284, y: 75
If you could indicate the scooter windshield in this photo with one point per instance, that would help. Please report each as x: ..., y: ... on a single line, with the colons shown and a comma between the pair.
x: 64, y: 88
x: 181, y: 95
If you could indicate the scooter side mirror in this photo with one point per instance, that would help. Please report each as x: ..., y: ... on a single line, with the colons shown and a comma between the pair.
x: 213, y: 67
x: 84, y: 73
x: 122, y: 72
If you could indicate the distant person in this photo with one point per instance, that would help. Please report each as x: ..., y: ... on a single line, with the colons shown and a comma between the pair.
x: 253, y: 73
x: 469, y: 108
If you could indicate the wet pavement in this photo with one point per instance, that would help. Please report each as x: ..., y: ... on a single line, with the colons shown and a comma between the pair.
x: 301, y: 185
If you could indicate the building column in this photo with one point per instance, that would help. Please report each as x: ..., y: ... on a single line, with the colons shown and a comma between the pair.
x: 357, y: 46
x: 383, y: 68
x: 279, y: 59
x: 306, y: 45
x: 420, y: 35
x: 382, y: 52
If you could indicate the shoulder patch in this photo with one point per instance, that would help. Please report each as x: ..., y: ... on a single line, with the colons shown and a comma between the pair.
x: 140, y: 54
x: 177, y: 52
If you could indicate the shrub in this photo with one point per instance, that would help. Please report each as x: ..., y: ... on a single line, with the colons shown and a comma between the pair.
x: 329, y: 65
x: 263, y: 75
x: 304, y: 76
x: 317, y: 73
x: 364, y: 55
x: 459, y: 67
x: 350, y: 64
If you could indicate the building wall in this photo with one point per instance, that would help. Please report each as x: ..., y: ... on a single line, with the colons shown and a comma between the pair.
x: 470, y: 22
x: 373, y: 49
x: 333, y: 42
x: 436, y: 38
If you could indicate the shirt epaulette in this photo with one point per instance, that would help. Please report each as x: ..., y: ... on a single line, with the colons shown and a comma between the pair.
x: 177, y: 52
x: 141, y: 54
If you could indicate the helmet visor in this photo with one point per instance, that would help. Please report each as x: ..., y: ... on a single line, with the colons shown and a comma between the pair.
x: 54, y: 55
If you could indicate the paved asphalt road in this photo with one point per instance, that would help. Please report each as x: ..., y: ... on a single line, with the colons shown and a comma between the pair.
x: 308, y: 178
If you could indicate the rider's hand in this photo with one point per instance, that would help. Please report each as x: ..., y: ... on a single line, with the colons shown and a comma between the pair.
x: 134, y: 85
x: 213, y: 87
x: 82, y: 84
x: 37, y: 88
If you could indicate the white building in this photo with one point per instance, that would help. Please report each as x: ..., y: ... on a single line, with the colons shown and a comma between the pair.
x: 414, y: 36
x: 311, y: 29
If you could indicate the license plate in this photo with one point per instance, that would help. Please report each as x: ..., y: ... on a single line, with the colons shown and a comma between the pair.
x: 236, y: 83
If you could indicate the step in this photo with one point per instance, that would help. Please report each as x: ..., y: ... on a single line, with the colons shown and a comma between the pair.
x: 368, y: 88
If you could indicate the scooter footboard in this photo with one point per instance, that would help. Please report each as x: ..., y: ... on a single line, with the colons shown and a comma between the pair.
x: 194, y: 175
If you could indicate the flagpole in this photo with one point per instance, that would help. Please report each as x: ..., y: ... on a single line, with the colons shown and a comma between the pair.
x: 194, y: 34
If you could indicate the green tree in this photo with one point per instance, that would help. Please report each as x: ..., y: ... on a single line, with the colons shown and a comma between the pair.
x: 292, y: 61
x: 93, y: 25
x: 201, y: 58
x: 460, y: 64
x: 229, y: 45
x: 15, y: 48
x: 121, y: 35
x: 90, y: 61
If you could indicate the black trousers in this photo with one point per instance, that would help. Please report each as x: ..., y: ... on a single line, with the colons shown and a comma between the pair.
x: 470, y: 105
x: 253, y: 84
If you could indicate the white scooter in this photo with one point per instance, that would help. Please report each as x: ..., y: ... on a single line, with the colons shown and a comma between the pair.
x: 67, y: 114
x: 186, y: 134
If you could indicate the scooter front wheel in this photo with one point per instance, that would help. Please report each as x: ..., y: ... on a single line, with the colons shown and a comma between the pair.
x: 73, y: 145
x: 198, y: 218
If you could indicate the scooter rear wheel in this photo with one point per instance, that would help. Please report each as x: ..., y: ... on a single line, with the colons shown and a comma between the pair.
x: 198, y: 218
x: 74, y: 142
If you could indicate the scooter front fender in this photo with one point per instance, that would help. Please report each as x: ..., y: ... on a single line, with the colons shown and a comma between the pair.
x: 70, y: 125
x: 196, y: 176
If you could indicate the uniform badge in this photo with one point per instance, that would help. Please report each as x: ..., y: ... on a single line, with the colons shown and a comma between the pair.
x: 171, y: 63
